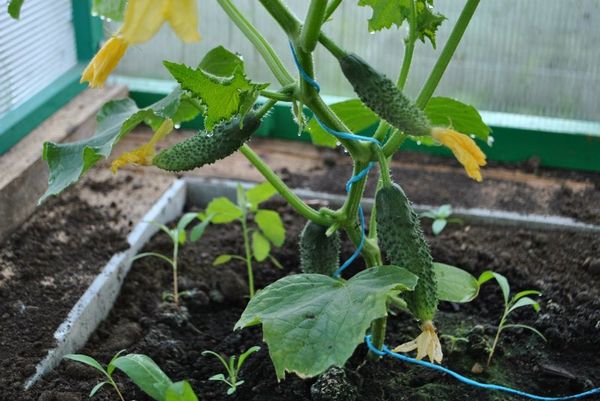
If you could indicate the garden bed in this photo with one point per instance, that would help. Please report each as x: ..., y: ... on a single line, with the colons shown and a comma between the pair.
x: 563, y: 265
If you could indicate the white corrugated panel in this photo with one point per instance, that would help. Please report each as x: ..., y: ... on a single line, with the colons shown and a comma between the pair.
x: 35, y: 50
x: 518, y: 56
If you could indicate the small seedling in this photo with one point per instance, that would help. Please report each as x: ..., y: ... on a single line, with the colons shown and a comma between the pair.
x: 231, y: 367
x: 517, y: 301
x: 269, y: 230
x: 441, y: 217
x: 179, y: 237
x: 142, y: 371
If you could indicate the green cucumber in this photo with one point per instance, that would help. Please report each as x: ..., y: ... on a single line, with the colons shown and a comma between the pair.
x: 208, y: 147
x: 318, y: 252
x: 380, y: 94
x: 400, y: 235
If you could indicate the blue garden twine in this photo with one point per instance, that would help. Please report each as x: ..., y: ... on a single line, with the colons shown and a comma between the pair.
x: 385, y: 350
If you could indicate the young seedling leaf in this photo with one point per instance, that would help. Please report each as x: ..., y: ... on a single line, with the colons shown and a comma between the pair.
x: 353, y: 113
x: 181, y: 391
x: 218, y: 377
x: 68, y: 162
x: 271, y: 226
x: 444, y: 211
x: 245, y: 356
x: 198, y: 231
x: 260, y: 246
x: 260, y: 193
x: 223, y: 210
x: 438, y: 226
x: 185, y: 220
x: 146, y: 374
x: 96, y: 388
x: 222, y: 96
x: 502, y: 282
x: 454, y: 284
x: 525, y: 293
x: 525, y: 301
x: 526, y: 327
x: 304, y: 314
x: 464, y: 118
x: 87, y: 360
x: 222, y: 259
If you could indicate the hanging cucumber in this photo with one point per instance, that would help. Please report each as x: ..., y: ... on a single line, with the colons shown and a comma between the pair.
x: 206, y: 147
x: 400, y: 235
x: 380, y: 94
x: 318, y: 252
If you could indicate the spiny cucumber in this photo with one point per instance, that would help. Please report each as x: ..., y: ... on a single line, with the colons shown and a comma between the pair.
x: 318, y: 252
x: 400, y: 235
x: 380, y: 94
x: 206, y: 147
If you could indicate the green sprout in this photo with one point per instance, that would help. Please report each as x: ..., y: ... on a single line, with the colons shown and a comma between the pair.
x: 441, y: 217
x: 232, y: 368
x: 269, y: 227
x: 110, y: 368
x: 179, y: 237
x: 517, y: 301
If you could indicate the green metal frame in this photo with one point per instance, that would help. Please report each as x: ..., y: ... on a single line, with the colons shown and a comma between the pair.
x: 554, y: 142
x: 17, y: 123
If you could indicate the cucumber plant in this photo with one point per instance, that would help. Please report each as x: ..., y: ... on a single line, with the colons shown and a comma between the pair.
x: 269, y: 228
x: 311, y: 321
x: 178, y: 237
x: 232, y: 366
x: 519, y: 300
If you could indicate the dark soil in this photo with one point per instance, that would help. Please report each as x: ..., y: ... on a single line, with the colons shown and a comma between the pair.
x: 564, y: 266
x: 45, y: 266
x: 436, y: 180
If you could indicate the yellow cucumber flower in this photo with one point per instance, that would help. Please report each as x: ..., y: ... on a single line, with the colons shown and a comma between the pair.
x: 144, y: 154
x: 464, y: 149
x: 104, y: 62
x: 426, y: 344
x: 143, y: 18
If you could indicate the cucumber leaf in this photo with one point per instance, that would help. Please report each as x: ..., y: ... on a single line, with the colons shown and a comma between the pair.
x: 220, y: 83
x: 353, y: 113
x: 462, y: 117
x: 109, y: 9
x: 312, y: 322
x: 68, y: 162
x: 146, y: 374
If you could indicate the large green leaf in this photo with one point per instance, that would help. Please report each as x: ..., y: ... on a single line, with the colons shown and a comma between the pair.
x: 222, y: 95
x: 109, y: 9
x: 462, y: 117
x: 353, y: 113
x: 181, y: 391
x: 312, y: 322
x: 395, y: 12
x: 67, y: 162
x: 146, y: 374
x: 454, y: 284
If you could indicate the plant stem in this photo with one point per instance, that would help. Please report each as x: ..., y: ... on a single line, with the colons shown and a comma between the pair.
x: 377, y: 335
x: 332, y: 47
x: 276, y: 96
x: 260, y: 43
x: 384, y: 166
x: 309, y: 36
x: 293, y: 199
x: 331, y: 9
x: 112, y: 383
x: 447, y: 52
x: 284, y: 17
x: 248, y: 255
x: 175, y: 280
x: 409, y: 46
x: 495, y: 343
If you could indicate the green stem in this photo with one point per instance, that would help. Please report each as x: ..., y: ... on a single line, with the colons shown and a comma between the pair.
x: 409, y: 47
x: 284, y: 17
x: 332, y: 47
x: 248, y: 256
x: 112, y: 383
x: 384, y: 166
x: 377, y: 335
x: 260, y: 43
x: 497, y: 337
x: 276, y: 96
x: 440, y: 66
x: 175, y: 280
x: 309, y: 36
x: 331, y: 8
x: 264, y: 109
x: 298, y: 204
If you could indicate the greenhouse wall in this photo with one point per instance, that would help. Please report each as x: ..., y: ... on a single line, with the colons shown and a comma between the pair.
x: 542, y: 61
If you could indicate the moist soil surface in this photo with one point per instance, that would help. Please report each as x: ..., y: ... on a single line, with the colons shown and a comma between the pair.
x: 564, y: 266
x: 45, y: 266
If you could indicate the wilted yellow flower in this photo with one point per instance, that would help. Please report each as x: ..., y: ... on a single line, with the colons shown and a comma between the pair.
x: 464, y: 149
x: 104, y: 62
x: 145, y: 153
x: 426, y: 344
x: 143, y: 18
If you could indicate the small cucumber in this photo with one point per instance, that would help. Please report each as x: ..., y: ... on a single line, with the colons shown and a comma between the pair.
x: 318, y: 252
x: 208, y: 147
x: 400, y: 234
x: 380, y: 94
